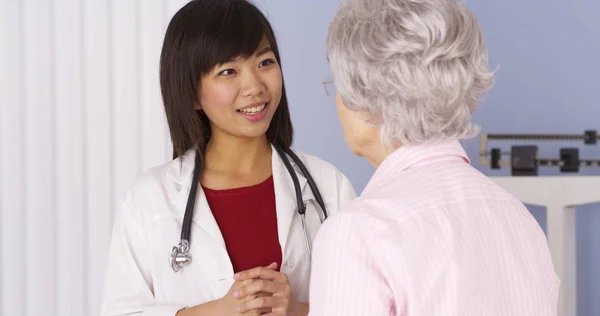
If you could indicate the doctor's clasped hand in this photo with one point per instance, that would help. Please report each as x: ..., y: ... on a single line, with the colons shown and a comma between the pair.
x: 230, y: 303
x: 276, y: 284
x: 258, y: 291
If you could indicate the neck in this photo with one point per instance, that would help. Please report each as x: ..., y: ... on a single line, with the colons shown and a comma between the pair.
x: 377, y: 153
x: 230, y: 154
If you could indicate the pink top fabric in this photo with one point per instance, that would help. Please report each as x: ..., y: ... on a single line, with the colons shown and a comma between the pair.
x: 431, y: 235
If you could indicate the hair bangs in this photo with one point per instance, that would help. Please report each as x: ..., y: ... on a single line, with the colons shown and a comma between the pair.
x: 234, y: 32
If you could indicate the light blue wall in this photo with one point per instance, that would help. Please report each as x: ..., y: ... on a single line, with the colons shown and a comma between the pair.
x: 548, y: 81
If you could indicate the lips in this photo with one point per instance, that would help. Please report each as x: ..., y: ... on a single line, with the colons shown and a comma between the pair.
x: 254, y: 112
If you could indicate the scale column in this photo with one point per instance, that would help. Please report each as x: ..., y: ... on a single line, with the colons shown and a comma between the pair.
x: 563, y: 248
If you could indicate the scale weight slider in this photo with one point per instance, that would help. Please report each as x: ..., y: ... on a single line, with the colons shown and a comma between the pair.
x: 523, y: 160
x: 570, y: 159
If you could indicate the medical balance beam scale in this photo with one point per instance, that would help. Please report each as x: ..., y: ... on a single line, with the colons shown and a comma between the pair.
x: 560, y: 195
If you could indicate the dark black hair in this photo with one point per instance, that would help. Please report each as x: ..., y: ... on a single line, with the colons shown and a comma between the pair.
x: 202, y: 35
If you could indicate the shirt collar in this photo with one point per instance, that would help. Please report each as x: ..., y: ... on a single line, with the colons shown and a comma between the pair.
x: 406, y: 157
x: 182, y: 168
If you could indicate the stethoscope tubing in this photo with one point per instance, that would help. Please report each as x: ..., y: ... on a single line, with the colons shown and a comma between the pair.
x: 180, y: 255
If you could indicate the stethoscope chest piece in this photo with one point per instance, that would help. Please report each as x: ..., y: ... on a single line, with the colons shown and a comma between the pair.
x: 180, y: 256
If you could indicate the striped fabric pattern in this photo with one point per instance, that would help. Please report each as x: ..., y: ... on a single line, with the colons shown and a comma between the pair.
x: 431, y: 235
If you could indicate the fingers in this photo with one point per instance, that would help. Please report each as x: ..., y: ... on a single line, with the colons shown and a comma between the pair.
x: 251, y: 297
x: 262, y: 286
x: 272, y: 303
x: 242, y: 283
x: 264, y: 273
x: 268, y: 292
x: 238, y: 284
x: 263, y: 311
x: 272, y: 266
x: 260, y: 311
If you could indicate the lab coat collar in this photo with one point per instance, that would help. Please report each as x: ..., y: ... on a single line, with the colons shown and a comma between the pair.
x: 285, y: 196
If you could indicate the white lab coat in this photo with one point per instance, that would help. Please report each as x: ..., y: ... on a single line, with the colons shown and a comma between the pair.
x: 139, y: 280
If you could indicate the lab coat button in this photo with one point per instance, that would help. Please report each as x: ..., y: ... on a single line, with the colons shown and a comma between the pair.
x: 290, y: 262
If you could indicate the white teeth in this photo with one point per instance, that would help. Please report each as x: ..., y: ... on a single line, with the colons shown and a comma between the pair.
x: 252, y: 110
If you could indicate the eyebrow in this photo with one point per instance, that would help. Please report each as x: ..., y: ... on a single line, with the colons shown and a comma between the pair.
x: 258, y: 54
x: 264, y: 51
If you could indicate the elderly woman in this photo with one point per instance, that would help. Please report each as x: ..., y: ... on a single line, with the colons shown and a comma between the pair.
x: 429, y: 235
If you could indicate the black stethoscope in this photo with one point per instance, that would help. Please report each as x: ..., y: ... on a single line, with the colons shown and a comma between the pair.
x: 180, y: 254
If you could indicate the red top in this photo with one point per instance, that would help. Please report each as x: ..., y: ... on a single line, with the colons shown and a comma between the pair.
x: 248, y: 222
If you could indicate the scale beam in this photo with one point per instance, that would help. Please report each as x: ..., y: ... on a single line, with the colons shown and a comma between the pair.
x: 524, y: 160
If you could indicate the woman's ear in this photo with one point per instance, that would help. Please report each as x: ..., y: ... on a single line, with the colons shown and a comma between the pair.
x: 197, y: 106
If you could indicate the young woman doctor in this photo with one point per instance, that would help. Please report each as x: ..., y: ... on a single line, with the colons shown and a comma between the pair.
x: 227, y: 111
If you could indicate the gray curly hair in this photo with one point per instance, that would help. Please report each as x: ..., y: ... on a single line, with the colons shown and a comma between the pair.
x: 418, y: 67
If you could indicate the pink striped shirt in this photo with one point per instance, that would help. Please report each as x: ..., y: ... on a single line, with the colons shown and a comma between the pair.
x: 430, y: 235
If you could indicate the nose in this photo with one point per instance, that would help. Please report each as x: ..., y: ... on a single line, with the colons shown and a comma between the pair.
x: 253, y: 84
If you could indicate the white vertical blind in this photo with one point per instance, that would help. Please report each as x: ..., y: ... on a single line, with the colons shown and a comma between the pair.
x: 152, y: 22
x: 99, y: 165
x: 125, y: 84
x: 12, y: 162
x: 40, y: 157
x: 80, y: 117
x: 69, y: 132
